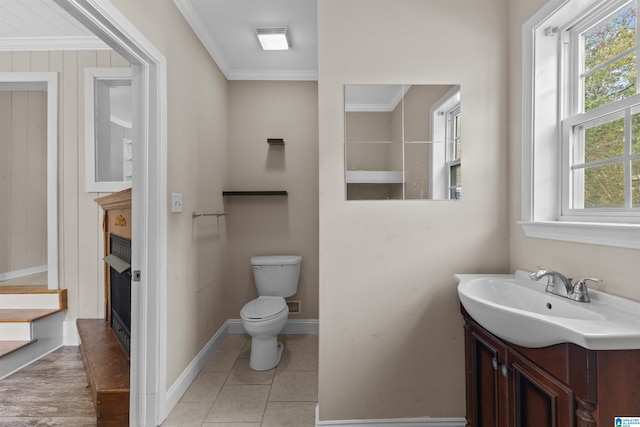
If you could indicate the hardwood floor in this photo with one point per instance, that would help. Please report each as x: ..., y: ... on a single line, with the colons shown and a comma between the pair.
x: 50, y: 392
x: 38, y: 279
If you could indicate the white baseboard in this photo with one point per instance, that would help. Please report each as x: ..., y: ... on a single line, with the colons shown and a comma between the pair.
x: 231, y: 326
x: 293, y: 326
x: 180, y: 386
x: 70, y: 335
x: 395, y: 422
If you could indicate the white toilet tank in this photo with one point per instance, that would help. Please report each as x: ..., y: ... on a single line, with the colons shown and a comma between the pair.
x: 276, y: 276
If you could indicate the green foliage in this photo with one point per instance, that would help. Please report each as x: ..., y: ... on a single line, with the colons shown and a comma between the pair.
x: 602, y: 43
x: 616, y: 37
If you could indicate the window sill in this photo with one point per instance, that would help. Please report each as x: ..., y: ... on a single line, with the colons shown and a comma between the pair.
x: 607, y: 234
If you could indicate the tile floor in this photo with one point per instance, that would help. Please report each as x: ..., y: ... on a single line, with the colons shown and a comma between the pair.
x: 227, y: 393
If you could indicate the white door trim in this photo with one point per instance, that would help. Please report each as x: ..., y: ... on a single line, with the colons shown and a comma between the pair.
x: 149, y: 200
x: 48, y: 82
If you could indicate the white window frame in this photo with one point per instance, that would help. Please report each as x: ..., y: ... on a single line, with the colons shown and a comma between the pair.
x: 441, y: 158
x: 542, y: 152
x: 91, y: 79
x: 452, y: 142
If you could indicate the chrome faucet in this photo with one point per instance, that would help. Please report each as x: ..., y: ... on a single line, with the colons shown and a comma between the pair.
x: 576, y: 292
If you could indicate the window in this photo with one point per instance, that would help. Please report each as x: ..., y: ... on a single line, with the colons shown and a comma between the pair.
x: 108, y: 129
x: 581, y: 123
x: 453, y: 152
x: 445, y: 171
x: 600, y: 130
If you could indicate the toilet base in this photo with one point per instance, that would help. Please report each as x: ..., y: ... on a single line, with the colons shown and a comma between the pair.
x: 265, y: 353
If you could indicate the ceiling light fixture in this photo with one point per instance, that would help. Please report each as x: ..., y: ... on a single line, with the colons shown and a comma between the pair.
x: 273, y: 38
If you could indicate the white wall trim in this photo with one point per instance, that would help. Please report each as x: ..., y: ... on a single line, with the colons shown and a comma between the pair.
x: 149, y: 239
x: 70, y: 335
x: 293, y: 326
x: 234, y: 326
x: 182, y: 383
x: 607, y: 234
x: 288, y: 75
x: 541, y: 179
x: 199, y: 29
x: 231, y: 326
x: 91, y: 77
x: 10, y: 44
x: 393, y: 422
x: 47, y: 81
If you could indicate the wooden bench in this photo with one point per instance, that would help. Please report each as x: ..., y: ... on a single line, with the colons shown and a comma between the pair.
x: 107, y: 367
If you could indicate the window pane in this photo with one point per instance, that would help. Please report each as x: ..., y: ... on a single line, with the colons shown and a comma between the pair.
x: 635, y: 133
x: 604, y: 186
x: 456, y: 181
x: 457, y: 137
x: 612, y: 83
x: 635, y: 183
x: 604, y: 141
x: 610, y: 38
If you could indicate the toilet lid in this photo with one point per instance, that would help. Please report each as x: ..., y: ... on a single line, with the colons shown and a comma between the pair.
x: 263, y: 308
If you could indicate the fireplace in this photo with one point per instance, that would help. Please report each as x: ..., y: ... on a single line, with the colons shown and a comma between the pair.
x: 120, y: 293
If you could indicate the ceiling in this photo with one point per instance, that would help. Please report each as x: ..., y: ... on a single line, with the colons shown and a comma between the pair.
x: 42, y: 25
x: 226, y: 28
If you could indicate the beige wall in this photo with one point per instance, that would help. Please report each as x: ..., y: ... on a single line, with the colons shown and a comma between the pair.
x: 79, y: 217
x: 391, y: 339
x: 23, y: 180
x: 197, y: 167
x: 619, y: 268
x: 273, y: 225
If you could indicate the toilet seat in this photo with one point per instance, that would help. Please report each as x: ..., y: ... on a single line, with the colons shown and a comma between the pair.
x: 263, y: 308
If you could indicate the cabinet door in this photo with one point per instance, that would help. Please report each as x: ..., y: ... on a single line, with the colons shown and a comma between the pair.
x: 537, y: 398
x: 486, y: 387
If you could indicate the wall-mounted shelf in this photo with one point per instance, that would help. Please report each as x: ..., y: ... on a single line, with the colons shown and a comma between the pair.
x: 255, y: 193
x: 275, y: 141
x: 375, y: 177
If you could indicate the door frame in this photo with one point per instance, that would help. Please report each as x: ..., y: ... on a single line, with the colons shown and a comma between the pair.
x: 149, y: 200
x: 47, y: 82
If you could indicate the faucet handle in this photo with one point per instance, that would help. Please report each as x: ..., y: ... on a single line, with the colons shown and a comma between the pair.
x: 583, y: 281
x: 580, y: 291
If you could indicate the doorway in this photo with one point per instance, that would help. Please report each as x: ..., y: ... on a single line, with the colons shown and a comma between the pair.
x: 149, y: 247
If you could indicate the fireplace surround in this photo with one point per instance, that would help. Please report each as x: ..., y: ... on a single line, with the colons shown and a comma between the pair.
x: 117, y: 256
x: 120, y: 292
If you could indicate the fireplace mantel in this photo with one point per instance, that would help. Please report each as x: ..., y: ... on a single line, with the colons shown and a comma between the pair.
x: 116, y: 220
x: 113, y: 205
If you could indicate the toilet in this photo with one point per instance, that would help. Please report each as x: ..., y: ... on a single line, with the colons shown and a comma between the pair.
x: 263, y: 318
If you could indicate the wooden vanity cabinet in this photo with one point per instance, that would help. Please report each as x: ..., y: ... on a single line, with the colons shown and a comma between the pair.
x: 563, y: 385
x: 486, y: 387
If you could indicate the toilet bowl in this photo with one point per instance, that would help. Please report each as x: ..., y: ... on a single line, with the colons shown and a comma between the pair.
x: 264, y: 318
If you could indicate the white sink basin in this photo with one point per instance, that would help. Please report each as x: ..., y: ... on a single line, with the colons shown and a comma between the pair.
x: 519, y: 310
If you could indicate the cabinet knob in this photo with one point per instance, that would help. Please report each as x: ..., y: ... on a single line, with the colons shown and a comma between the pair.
x: 494, y: 363
x: 505, y: 370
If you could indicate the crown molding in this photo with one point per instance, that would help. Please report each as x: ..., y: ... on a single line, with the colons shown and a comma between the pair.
x: 52, y: 43
x: 203, y: 35
x: 198, y: 27
x: 301, y: 75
